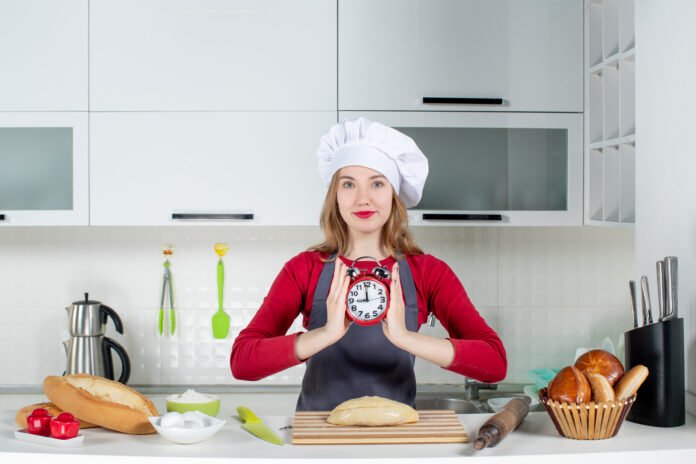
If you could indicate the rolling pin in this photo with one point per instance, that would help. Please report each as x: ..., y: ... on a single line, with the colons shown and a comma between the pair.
x: 503, y: 422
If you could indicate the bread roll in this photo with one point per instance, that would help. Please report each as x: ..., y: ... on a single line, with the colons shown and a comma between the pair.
x: 629, y: 383
x: 103, y: 402
x: 601, y: 362
x: 602, y: 390
x: 372, y: 411
x: 570, y: 386
x: 21, y: 416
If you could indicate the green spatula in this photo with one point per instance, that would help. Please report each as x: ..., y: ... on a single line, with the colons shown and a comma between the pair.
x: 221, y: 321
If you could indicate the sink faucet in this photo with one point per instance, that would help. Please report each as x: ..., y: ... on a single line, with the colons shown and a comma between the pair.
x: 472, y: 388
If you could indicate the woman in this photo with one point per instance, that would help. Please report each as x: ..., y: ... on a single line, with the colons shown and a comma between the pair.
x: 373, y: 174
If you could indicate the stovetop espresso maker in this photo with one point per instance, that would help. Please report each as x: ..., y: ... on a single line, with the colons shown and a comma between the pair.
x: 88, y: 351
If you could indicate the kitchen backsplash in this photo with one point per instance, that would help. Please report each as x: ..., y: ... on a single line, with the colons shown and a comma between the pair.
x: 546, y: 291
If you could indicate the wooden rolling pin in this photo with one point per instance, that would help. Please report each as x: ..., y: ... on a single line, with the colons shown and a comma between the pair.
x: 503, y: 422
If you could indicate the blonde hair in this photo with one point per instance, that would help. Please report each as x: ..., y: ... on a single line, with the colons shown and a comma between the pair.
x: 396, y: 238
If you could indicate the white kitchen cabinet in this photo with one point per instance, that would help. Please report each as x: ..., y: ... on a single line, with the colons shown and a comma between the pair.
x: 146, y: 168
x: 394, y: 53
x: 43, y: 55
x: 212, y: 55
x: 610, y: 127
x: 493, y: 168
x: 43, y: 168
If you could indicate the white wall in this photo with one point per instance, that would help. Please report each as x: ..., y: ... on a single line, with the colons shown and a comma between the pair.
x: 665, y: 153
x: 545, y: 290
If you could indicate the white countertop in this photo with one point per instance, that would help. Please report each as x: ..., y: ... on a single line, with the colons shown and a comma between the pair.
x: 535, y: 441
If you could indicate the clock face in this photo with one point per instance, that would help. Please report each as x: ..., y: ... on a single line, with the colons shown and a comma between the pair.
x: 367, y: 301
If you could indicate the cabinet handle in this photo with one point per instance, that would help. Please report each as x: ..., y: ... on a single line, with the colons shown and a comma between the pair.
x: 2, y: 217
x: 213, y: 216
x: 463, y: 101
x: 462, y: 217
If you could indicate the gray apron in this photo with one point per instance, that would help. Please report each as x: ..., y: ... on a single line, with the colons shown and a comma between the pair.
x: 363, y: 362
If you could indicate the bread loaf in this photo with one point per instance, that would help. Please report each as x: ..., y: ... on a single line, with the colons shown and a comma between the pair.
x: 601, y: 362
x: 21, y: 416
x: 629, y: 383
x: 372, y: 411
x: 570, y: 386
x: 103, y: 402
x: 602, y: 390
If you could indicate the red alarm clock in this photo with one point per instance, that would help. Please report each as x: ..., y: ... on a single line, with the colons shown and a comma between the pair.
x: 367, y: 300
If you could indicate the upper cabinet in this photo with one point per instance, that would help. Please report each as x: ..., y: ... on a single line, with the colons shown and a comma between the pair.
x: 43, y: 55
x: 43, y: 168
x: 212, y: 55
x: 174, y: 168
x: 393, y: 54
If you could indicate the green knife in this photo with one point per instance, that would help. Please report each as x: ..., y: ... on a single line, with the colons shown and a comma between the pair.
x: 255, y: 426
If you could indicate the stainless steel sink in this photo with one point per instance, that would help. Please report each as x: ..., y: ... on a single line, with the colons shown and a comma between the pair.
x: 458, y: 405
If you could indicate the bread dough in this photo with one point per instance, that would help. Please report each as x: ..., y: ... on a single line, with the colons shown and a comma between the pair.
x: 372, y: 411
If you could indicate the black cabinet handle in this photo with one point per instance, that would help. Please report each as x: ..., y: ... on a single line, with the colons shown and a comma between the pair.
x: 213, y: 216
x: 463, y: 101
x: 461, y: 217
x: 2, y: 217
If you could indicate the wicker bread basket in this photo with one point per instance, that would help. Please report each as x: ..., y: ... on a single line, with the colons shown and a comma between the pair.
x: 587, y: 421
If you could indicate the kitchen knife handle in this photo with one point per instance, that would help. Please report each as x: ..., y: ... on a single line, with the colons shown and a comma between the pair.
x: 462, y: 101
x: 246, y: 415
x: 213, y: 216
x: 645, y: 297
x: 660, y: 289
x: 671, y: 287
x: 462, y: 217
x: 634, y: 307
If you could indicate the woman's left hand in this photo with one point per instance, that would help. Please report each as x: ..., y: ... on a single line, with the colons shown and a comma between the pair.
x: 394, y: 324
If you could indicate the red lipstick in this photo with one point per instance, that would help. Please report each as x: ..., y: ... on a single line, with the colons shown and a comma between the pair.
x: 364, y: 214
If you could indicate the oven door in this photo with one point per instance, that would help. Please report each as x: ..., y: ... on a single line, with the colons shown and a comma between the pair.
x: 509, y: 169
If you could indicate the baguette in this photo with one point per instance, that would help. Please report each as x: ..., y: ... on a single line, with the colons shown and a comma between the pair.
x: 103, y: 402
x: 630, y: 382
x: 21, y: 416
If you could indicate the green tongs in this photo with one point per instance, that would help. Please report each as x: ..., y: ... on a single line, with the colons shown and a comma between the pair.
x: 167, y: 250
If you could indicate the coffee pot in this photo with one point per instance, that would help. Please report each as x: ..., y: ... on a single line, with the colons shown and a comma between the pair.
x: 88, y: 351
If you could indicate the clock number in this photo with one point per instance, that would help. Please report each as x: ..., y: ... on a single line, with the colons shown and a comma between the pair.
x: 367, y: 315
x: 383, y: 300
x: 360, y: 313
x: 353, y: 293
x: 351, y: 300
x: 380, y: 291
x: 354, y: 308
x: 374, y: 313
x: 380, y: 307
x: 367, y: 284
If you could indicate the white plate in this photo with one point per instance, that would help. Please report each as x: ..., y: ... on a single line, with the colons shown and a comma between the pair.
x: 49, y: 441
x: 184, y: 436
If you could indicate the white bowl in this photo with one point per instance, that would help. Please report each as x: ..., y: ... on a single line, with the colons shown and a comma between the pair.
x: 497, y: 403
x: 186, y: 436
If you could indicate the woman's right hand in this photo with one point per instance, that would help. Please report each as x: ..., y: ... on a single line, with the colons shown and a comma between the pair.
x: 337, y: 322
x: 309, y: 343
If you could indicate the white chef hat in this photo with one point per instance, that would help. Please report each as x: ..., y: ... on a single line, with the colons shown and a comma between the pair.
x: 360, y: 142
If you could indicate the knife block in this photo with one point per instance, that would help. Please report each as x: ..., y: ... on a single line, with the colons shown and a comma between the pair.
x: 659, y: 347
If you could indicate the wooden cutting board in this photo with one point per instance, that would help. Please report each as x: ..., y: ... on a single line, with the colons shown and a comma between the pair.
x: 311, y: 428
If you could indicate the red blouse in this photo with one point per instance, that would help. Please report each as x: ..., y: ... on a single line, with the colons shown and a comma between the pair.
x: 263, y: 348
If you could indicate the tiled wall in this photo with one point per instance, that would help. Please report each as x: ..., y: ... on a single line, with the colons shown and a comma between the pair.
x: 545, y: 290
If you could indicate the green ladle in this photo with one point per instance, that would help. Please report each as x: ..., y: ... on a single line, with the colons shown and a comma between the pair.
x: 221, y: 321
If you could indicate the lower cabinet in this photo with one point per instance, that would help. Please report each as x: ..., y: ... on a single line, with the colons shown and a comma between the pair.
x: 189, y: 167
